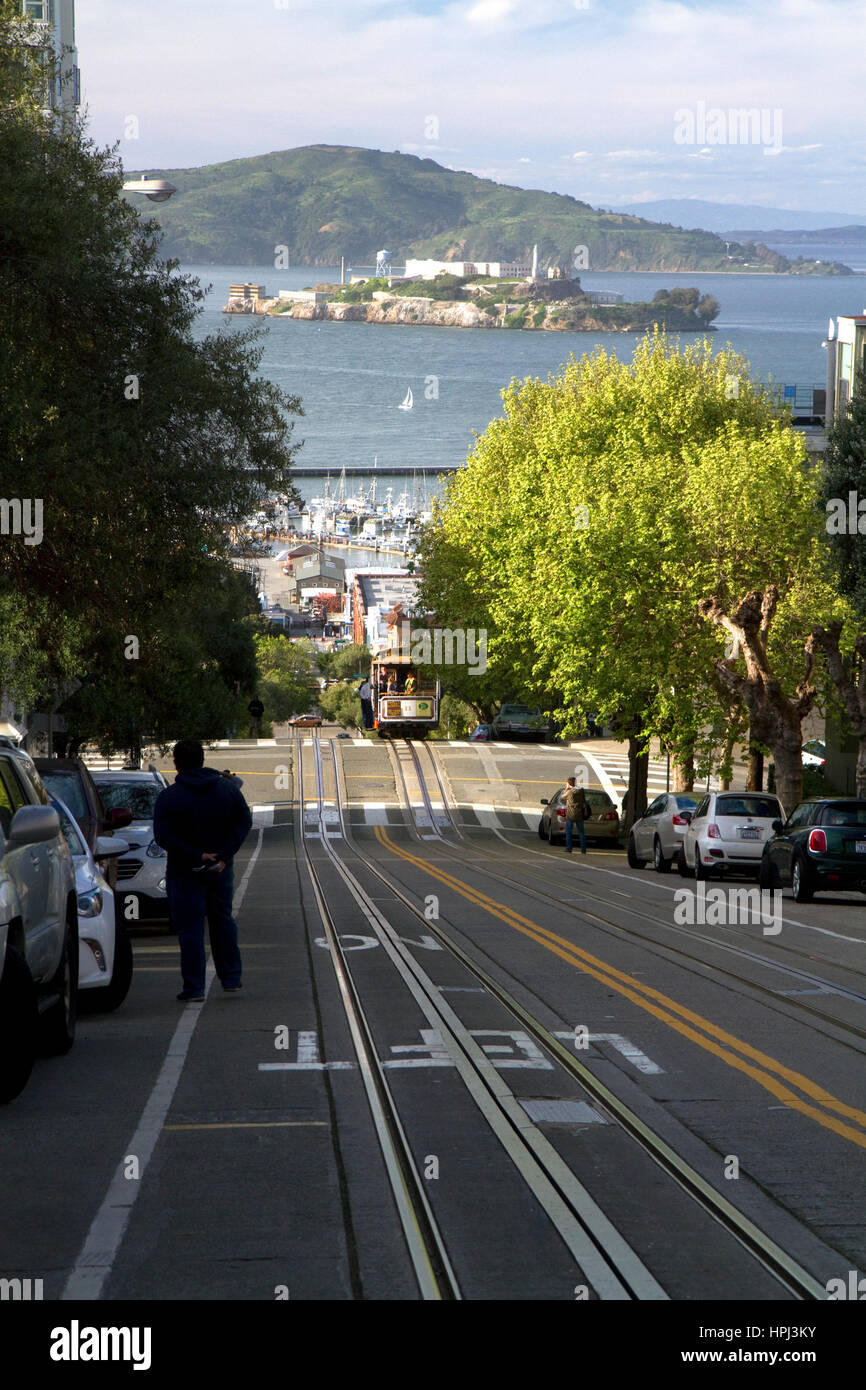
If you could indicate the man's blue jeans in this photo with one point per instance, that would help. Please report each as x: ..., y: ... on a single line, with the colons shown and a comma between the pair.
x: 569, y: 832
x: 192, y: 897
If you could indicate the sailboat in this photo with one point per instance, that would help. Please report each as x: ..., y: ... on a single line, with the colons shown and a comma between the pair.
x: 408, y: 403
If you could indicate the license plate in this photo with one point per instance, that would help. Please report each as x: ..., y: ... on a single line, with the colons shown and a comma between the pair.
x: 749, y: 832
x: 860, y: 847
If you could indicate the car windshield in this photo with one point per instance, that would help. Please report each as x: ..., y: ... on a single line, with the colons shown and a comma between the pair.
x: 846, y: 814
x: 138, y: 797
x: 67, y: 786
x: 686, y: 803
x: 762, y: 806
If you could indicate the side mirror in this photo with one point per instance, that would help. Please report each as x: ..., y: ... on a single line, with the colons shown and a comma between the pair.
x: 777, y: 827
x: 109, y: 847
x: 32, y: 825
x: 117, y: 818
x: 544, y: 801
x: 687, y: 816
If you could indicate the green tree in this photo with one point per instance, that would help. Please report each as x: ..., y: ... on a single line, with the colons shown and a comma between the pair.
x: 593, y: 518
x: 287, y: 681
x: 708, y: 308
x: 142, y: 444
x: 341, y: 703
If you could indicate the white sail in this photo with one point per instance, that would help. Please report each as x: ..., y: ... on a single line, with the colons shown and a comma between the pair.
x: 408, y: 403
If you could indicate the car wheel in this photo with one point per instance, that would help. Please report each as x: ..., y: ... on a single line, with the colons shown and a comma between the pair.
x: 551, y: 838
x: 542, y: 833
x: 701, y: 873
x: 801, y: 882
x: 19, y: 1020
x: 112, y: 995
x: 632, y: 856
x: 682, y: 866
x: 58, y: 1022
x: 661, y: 865
x: 766, y: 873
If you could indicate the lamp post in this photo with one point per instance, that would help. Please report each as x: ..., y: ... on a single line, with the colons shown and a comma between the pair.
x: 157, y: 190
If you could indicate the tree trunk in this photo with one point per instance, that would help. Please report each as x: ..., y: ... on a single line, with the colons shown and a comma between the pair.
x: 684, y: 769
x: 638, y: 768
x: 849, y: 678
x: 755, y: 770
x: 775, y: 720
x: 860, y: 783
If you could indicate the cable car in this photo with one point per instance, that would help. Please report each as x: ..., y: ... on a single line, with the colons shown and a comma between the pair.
x: 404, y: 704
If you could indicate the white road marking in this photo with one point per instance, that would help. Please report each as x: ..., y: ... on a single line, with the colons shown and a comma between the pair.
x: 308, y: 1058
x: 631, y: 1053
x: 375, y: 813
x: 96, y: 1258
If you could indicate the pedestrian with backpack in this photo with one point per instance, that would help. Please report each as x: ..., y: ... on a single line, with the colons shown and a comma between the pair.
x: 576, y: 811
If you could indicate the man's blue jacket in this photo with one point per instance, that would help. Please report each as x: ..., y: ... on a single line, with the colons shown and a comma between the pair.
x: 200, y: 813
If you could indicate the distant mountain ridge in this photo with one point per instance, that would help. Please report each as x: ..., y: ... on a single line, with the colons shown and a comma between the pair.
x: 727, y: 217
x: 317, y: 203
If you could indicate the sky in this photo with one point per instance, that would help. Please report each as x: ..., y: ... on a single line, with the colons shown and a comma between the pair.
x: 612, y: 101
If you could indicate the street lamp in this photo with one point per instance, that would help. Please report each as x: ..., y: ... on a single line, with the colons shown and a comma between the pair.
x: 157, y: 190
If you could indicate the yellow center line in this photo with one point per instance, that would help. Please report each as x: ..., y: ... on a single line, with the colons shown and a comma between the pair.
x: 642, y: 995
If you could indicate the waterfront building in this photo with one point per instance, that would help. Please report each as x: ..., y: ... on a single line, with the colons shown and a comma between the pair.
x: 375, y: 595
x: 429, y: 269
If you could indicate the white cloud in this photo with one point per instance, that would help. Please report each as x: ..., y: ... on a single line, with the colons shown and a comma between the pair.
x: 490, y: 11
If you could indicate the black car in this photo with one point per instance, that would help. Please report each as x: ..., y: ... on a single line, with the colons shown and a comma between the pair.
x: 821, y: 848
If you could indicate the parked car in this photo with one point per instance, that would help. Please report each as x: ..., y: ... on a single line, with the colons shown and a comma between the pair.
x: 70, y: 781
x: 658, y: 834
x: 602, y: 825
x: 814, y: 753
x: 104, y: 948
x: 306, y: 721
x: 515, y: 719
x: 727, y: 833
x: 142, y: 870
x: 821, y: 848
x: 482, y: 733
x: 38, y: 925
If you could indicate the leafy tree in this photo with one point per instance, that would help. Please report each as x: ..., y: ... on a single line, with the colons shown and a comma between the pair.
x: 342, y: 703
x: 287, y: 680
x: 708, y: 308
x: 592, y: 519
x: 142, y: 445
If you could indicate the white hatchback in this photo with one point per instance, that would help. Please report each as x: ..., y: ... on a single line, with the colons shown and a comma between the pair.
x: 728, y: 832
x: 104, y: 948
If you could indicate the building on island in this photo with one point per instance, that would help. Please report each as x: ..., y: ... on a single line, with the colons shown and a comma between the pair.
x: 428, y: 270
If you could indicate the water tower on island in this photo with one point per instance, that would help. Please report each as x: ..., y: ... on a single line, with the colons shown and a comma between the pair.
x: 383, y: 265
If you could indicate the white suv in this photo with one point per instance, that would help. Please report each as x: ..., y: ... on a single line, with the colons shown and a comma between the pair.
x: 38, y: 925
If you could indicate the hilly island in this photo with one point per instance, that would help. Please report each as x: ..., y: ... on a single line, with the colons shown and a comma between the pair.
x: 324, y: 202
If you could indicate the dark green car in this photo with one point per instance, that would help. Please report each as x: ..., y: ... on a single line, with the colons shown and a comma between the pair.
x: 821, y: 848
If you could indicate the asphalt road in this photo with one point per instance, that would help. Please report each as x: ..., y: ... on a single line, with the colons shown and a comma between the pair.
x: 231, y: 1150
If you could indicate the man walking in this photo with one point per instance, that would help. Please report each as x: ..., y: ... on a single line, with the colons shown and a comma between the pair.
x: 202, y: 820
x: 575, y: 810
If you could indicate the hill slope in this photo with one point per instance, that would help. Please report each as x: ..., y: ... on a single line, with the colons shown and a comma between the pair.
x: 328, y: 201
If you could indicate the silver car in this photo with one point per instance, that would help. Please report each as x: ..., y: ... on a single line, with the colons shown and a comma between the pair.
x: 658, y: 834
x: 141, y: 872
x: 728, y: 832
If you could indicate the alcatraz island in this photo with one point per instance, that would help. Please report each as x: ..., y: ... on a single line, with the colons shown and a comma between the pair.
x: 468, y: 294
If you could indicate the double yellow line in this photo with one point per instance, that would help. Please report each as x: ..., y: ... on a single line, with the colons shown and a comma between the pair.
x: 751, y: 1061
